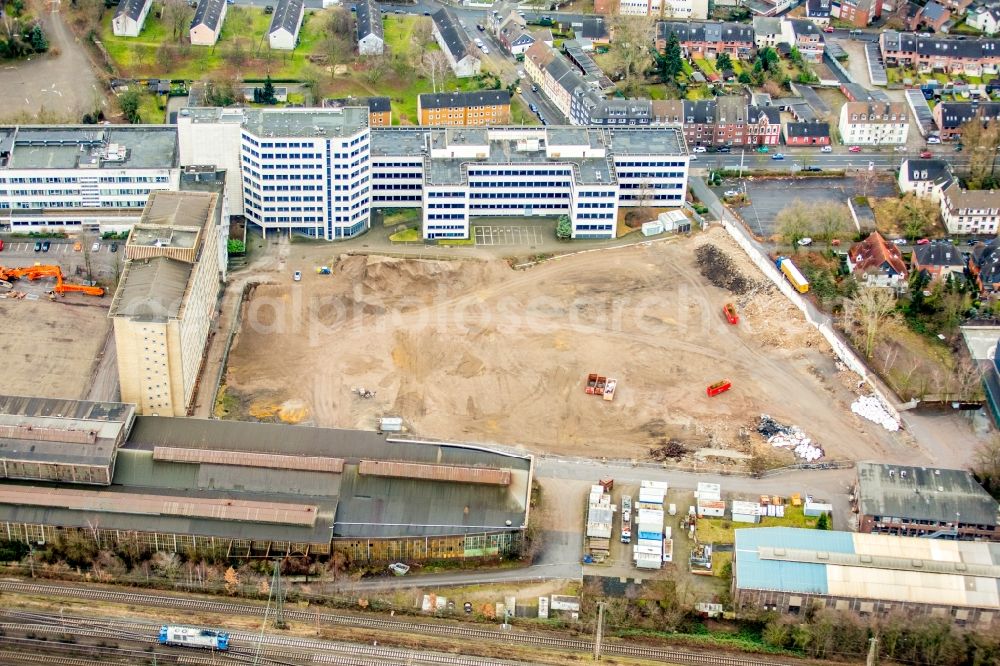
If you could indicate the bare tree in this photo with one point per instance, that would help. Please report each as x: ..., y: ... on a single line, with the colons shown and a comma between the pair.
x: 869, y: 310
x: 435, y: 65
x: 986, y: 464
x: 634, y: 37
x: 177, y: 14
x: 830, y: 221
x: 420, y: 38
x: 377, y: 67
x: 339, y: 22
x: 914, y: 214
x: 982, y: 140
x: 794, y: 222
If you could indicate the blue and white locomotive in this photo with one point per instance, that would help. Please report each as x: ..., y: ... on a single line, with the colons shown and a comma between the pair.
x: 191, y: 637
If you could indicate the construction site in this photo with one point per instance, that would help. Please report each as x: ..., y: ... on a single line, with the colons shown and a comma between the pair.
x: 475, y: 350
x: 54, y: 331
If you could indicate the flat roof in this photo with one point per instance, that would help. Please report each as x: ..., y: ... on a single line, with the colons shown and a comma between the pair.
x: 924, y: 493
x: 179, y: 209
x: 667, y: 141
x: 96, y: 147
x: 398, y: 141
x: 868, y: 566
x: 71, y: 432
x: 325, y: 123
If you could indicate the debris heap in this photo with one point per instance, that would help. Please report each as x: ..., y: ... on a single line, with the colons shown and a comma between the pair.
x: 871, y: 408
x: 782, y: 436
x: 719, y: 269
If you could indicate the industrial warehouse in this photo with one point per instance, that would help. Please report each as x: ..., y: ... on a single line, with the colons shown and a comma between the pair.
x: 177, y: 485
x: 791, y: 570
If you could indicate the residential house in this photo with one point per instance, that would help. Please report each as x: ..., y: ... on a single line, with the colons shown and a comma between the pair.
x: 479, y: 108
x: 938, y: 260
x: 591, y: 31
x: 512, y: 34
x: 927, y: 53
x: 536, y: 59
x: 766, y: 31
x: 859, y: 13
x: 925, y: 178
x: 950, y: 116
x: 807, y: 134
x: 379, y: 108
x: 984, y: 266
x: 461, y: 53
x: 818, y: 11
x: 970, y: 211
x: 769, y: 7
x: 285, y: 24
x: 368, y: 20
x: 130, y: 16
x: 682, y: 9
x: 984, y: 18
x: 707, y: 39
x: 763, y: 125
x: 716, y: 122
x: 667, y: 112
x: 878, y: 261
x: 874, y: 123
x: 615, y: 112
x: 804, y: 35
x: 933, y: 15
x: 207, y: 22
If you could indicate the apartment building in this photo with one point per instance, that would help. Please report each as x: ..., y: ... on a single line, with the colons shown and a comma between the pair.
x: 707, y: 39
x: 927, y: 53
x: 925, y: 178
x: 723, y: 121
x: 680, y: 9
x: 485, y: 107
x: 818, y: 11
x: 767, y: 32
x: 950, y: 116
x: 874, y: 123
x: 286, y: 22
x: 763, y: 126
x: 938, y: 260
x: 207, y: 22
x: 574, y: 87
x: 969, y: 211
x: 859, y: 13
x: 807, y: 134
x: 72, y: 178
x: 804, y: 35
x: 368, y: 22
x: 166, y: 300
x: 458, y: 48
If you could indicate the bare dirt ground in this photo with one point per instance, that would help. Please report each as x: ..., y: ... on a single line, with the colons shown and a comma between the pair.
x: 50, y: 348
x: 476, y: 351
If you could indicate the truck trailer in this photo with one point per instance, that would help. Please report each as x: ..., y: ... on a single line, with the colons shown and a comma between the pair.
x: 793, y: 274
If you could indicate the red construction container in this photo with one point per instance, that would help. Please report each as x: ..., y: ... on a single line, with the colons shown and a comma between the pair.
x: 591, y: 384
x: 730, y: 311
x: 719, y: 387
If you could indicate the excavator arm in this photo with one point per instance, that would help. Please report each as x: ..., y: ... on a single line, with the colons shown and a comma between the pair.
x: 39, y: 272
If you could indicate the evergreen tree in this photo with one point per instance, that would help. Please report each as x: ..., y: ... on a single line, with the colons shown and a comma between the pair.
x: 563, y: 228
x: 129, y: 101
x: 267, y: 94
x: 37, y: 39
x: 723, y: 62
x: 672, y: 63
x: 823, y: 522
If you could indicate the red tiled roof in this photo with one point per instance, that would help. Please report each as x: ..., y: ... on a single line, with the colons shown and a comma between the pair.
x: 873, y: 252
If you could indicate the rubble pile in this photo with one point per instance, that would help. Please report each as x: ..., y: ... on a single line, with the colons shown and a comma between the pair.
x: 871, y: 408
x: 718, y: 268
x: 781, y: 436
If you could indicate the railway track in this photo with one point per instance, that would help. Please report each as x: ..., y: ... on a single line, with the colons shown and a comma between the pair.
x: 675, y: 656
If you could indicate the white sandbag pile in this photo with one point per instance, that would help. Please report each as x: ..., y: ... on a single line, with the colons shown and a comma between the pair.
x: 782, y: 436
x: 871, y: 408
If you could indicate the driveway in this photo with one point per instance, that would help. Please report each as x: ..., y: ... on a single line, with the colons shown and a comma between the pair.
x: 64, y: 84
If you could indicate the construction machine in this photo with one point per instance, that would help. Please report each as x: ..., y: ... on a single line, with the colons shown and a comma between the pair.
x: 38, y: 272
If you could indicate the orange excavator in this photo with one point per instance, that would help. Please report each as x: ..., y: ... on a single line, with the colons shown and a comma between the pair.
x: 39, y: 272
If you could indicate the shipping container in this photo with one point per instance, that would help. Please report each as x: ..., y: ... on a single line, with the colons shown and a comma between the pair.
x: 796, y: 278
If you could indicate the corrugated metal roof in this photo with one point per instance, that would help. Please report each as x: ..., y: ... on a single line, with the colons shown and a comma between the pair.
x: 496, y: 477
x: 155, y: 505
x: 243, y: 459
x: 752, y: 572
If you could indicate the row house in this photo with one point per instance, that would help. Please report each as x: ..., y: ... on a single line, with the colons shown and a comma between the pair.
x: 763, y: 126
x: 766, y: 32
x: 950, y: 116
x: 933, y: 16
x: 984, y: 265
x: 707, y: 40
x: 807, y: 134
x: 969, y: 211
x: 723, y: 121
x: 682, y: 9
x: 927, y: 53
x: 874, y: 123
x: 859, y: 13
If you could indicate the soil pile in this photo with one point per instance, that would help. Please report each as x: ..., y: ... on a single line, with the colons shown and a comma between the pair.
x: 719, y: 269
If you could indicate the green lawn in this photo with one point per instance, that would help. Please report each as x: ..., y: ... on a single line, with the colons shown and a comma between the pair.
x: 520, y: 114
x: 244, y: 31
x: 406, y: 236
x: 152, y: 108
x: 721, y: 530
x: 705, y: 66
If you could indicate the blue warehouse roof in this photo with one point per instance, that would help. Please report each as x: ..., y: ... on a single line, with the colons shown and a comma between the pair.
x: 752, y: 572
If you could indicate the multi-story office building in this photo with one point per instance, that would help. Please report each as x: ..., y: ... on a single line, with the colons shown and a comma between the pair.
x: 302, y: 170
x: 69, y: 178
x: 166, y: 300
x: 331, y: 169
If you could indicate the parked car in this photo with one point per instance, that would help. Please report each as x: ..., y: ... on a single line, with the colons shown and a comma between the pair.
x: 899, y: 241
x: 777, y: 156
x: 926, y: 154
x: 96, y: 247
x: 77, y: 246
x: 763, y: 149
x: 38, y: 246
x: 923, y: 241
x: 534, y: 87
x: 532, y: 107
x: 699, y: 149
x: 854, y: 149
x: 468, y: 607
x: 826, y: 149
x: 268, y: 9
x: 486, y: 50
x: 45, y: 246
x: 828, y: 29
x: 725, y: 149
x: 731, y: 193
x: 297, y: 276
x: 481, y: 27
x: 811, y: 169
x: 114, y: 247
x: 804, y: 242
x: 1, y: 245
x: 933, y: 139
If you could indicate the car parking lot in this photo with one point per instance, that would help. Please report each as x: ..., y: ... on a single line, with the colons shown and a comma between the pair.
x: 513, y: 235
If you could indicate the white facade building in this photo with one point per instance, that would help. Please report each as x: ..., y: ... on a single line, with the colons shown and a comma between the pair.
x: 970, y: 211
x: 130, y: 16
x: 874, y: 123
x: 93, y: 178
x: 680, y: 9
x: 926, y: 178
x: 286, y: 22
